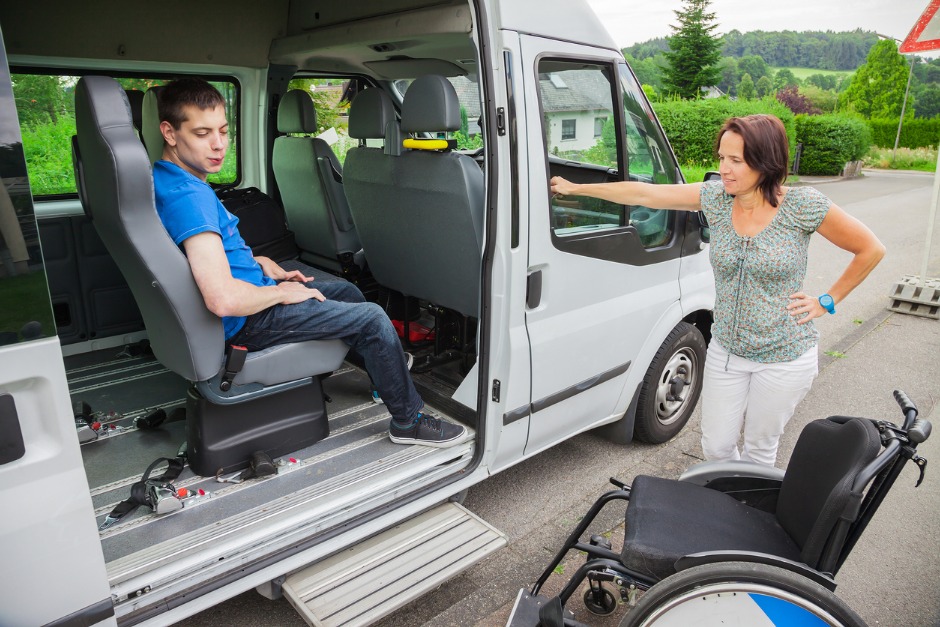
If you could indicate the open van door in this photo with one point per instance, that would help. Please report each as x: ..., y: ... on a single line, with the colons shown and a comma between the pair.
x: 602, y: 277
x: 53, y: 568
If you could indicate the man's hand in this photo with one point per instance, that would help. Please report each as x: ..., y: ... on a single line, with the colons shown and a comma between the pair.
x: 292, y: 293
x: 272, y: 270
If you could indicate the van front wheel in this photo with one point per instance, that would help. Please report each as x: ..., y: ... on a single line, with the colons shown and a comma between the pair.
x: 671, y: 386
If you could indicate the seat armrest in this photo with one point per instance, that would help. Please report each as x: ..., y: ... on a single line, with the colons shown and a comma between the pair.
x: 707, y: 472
x: 712, y: 557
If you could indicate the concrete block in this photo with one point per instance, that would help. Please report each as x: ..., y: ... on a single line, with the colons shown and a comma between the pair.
x: 907, y: 296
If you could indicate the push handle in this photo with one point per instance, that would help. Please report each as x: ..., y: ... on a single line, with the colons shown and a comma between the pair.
x: 905, y: 403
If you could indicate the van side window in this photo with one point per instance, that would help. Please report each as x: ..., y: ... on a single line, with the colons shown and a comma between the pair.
x: 470, y: 136
x: 25, y: 310
x: 585, y: 144
x: 46, y: 108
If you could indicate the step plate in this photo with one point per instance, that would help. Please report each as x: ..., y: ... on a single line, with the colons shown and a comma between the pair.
x: 373, y: 579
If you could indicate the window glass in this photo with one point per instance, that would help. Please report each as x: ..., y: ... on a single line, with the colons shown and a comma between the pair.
x: 649, y: 160
x: 46, y: 107
x: 25, y: 310
x: 331, y: 98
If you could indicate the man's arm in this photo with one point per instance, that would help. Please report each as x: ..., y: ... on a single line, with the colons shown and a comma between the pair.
x: 227, y: 296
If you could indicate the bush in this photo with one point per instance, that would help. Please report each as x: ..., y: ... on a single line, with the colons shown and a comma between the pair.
x: 915, y: 132
x: 693, y: 125
x: 830, y: 141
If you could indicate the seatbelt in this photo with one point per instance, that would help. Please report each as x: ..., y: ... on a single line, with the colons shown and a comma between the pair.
x: 157, y: 493
x: 234, y: 362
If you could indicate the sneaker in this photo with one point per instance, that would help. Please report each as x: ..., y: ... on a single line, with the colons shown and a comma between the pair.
x: 409, y: 359
x: 428, y: 431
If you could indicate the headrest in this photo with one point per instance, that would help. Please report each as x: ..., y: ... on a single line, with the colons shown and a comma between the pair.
x: 296, y: 114
x: 150, y: 124
x: 369, y: 114
x: 135, y: 98
x: 431, y: 105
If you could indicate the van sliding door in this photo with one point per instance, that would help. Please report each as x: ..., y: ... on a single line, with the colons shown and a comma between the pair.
x: 52, y: 564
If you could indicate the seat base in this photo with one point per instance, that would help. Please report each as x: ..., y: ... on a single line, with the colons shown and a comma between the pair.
x: 223, y: 437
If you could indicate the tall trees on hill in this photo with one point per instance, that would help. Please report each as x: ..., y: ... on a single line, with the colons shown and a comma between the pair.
x: 694, y: 50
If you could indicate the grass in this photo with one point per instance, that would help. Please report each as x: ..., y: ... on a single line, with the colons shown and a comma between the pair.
x: 695, y: 173
x: 836, y: 354
x: 803, y: 72
x: 923, y: 159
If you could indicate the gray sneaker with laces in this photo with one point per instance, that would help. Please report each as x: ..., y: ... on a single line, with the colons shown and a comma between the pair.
x: 427, y: 430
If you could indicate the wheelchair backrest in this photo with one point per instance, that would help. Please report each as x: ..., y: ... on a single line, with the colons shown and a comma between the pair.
x: 817, y: 490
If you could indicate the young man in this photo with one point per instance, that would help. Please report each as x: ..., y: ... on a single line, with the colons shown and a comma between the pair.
x: 260, y: 303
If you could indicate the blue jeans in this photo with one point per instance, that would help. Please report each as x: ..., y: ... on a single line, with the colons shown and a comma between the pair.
x: 344, y: 315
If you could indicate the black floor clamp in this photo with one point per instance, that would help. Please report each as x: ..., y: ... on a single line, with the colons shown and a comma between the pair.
x: 157, y: 493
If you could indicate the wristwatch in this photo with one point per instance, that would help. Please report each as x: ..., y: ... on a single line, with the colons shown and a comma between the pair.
x: 828, y: 304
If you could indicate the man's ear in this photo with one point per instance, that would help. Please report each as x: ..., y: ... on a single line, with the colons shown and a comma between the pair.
x: 168, y: 132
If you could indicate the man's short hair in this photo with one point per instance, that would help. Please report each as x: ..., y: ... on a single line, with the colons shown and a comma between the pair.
x: 183, y: 92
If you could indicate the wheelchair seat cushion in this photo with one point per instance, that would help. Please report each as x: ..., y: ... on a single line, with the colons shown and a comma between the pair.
x: 668, y: 519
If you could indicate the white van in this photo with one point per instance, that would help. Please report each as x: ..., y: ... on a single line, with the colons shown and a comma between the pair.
x: 549, y: 316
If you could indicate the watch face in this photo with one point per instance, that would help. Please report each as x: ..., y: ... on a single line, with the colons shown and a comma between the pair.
x: 825, y: 300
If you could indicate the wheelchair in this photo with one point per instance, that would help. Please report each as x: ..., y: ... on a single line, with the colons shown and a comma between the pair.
x: 728, y: 539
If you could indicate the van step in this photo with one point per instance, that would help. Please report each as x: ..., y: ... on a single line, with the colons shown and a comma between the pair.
x: 371, y: 580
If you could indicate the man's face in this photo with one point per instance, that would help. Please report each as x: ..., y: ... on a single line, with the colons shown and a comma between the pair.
x: 199, y: 144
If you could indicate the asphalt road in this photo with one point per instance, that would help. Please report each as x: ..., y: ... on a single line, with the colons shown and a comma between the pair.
x: 892, y: 577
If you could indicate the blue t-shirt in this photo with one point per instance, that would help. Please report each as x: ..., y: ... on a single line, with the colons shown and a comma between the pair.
x: 187, y: 206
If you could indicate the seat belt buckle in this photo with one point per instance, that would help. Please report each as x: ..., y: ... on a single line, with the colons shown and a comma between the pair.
x: 163, y: 497
x: 234, y: 362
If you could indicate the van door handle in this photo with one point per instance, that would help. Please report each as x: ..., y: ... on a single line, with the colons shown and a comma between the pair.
x: 533, y: 290
x: 11, y: 445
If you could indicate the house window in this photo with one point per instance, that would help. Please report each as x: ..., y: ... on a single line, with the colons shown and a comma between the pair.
x: 568, y: 129
x: 599, y: 126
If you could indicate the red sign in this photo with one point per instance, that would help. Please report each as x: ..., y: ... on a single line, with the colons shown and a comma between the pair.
x: 926, y: 32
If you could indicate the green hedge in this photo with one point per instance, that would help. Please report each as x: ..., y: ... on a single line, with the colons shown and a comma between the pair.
x: 915, y: 132
x: 693, y: 125
x: 829, y: 141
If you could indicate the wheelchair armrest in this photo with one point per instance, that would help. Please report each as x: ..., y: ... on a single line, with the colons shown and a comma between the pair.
x: 799, y: 568
x: 704, y: 473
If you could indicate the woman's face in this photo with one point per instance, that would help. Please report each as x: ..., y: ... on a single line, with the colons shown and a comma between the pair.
x: 738, y: 177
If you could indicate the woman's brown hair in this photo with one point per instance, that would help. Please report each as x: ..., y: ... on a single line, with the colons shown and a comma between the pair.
x: 766, y: 150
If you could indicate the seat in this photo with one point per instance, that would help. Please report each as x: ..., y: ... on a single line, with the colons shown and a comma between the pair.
x: 804, y: 521
x: 275, y: 401
x: 135, y: 98
x: 419, y: 213
x: 150, y: 133
x: 310, y: 180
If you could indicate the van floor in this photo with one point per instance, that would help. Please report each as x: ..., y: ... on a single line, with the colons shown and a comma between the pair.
x: 356, y: 462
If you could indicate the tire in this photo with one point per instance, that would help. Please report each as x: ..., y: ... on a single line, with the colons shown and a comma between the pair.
x: 729, y: 588
x: 671, y: 386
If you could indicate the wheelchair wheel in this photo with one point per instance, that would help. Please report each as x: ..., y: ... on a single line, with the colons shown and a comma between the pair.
x: 752, y: 594
x: 602, y: 606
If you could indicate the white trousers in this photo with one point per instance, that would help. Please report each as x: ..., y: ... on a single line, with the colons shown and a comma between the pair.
x: 761, y: 397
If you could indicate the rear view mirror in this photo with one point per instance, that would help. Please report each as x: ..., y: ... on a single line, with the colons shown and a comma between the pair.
x: 703, y: 224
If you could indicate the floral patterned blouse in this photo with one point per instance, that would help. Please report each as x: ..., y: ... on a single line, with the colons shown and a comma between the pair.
x: 754, y: 276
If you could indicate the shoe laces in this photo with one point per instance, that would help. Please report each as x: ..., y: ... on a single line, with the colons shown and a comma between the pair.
x: 431, y: 421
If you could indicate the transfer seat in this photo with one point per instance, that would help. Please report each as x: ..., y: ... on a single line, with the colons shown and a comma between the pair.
x: 310, y: 180
x: 274, y: 402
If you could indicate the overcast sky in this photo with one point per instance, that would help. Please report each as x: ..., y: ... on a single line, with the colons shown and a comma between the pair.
x: 634, y: 21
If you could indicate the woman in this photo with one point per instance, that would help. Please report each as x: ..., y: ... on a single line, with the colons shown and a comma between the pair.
x: 762, y: 358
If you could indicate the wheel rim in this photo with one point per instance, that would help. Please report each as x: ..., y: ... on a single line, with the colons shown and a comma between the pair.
x: 676, y: 384
x: 727, y: 597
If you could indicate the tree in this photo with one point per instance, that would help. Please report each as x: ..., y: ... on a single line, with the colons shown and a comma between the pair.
x: 753, y: 65
x: 728, y: 66
x: 694, y: 50
x: 785, y: 78
x: 796, y: 102
x: 746, y: 89
x: 877, y: 88
x: 765, y: 87
x: 823, y: 81
x: 40, y: 98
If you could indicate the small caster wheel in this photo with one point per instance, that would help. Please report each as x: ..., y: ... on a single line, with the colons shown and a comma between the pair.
x: 600, y: 602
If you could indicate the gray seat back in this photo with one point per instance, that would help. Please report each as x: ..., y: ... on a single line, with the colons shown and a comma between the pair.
x: 116, y: 184
x: 309, y: 177
x: 419, y: 214
x: 150, y: 124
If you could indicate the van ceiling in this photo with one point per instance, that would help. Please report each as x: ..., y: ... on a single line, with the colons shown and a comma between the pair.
x: 311, y: 34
